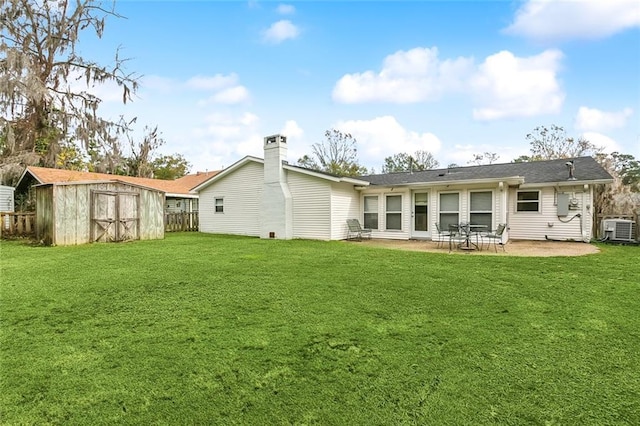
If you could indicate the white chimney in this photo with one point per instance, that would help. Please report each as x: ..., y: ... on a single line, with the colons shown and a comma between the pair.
x: 277, y: 206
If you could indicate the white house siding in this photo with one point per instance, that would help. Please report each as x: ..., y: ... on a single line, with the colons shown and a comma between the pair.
x: 241, y: 191
x: 345, y: 204
x: 311, y: 198
x: 177, y: 205
x: 546, y: 223
x: 6, y: 201
x: 6, y: 198
x: 499, y: 207
x: 382, y: 232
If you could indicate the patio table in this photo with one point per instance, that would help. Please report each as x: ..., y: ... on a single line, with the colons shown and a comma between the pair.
x: 467, y: 231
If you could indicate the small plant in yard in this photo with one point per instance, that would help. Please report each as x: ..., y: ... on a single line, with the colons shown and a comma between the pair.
x: 208, y: 329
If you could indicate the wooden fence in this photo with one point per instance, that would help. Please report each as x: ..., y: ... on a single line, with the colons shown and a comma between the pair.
x: 17, y: 224
x: 181, y: 222
x: 23, y: 224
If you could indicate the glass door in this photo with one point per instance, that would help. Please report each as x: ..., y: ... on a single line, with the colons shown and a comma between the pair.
x: 420, y: 215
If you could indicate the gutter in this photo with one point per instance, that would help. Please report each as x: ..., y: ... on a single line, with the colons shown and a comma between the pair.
x: 566, y: 183
x: 512, y: 180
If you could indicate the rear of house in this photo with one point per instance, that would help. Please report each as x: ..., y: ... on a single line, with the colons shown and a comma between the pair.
x: 271, y: 199
x: 537, y: 200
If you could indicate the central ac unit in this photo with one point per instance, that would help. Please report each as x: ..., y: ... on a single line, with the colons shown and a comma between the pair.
x: 618, y: 229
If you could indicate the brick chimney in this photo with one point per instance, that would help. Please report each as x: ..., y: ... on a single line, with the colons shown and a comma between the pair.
x: 276, y: 204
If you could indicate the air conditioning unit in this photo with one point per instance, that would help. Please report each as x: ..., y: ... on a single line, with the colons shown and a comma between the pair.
x: 618, y: 229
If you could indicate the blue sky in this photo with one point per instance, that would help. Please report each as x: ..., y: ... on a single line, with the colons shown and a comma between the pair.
x: 454, y: 78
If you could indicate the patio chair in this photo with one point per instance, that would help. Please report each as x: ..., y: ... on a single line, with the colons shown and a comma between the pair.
x: 457, y: 236
x: 496, y: 236
x: 441, y: 235
x: 357, y: 232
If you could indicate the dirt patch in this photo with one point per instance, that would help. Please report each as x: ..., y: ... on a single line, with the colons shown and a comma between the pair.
x: 513, y: 248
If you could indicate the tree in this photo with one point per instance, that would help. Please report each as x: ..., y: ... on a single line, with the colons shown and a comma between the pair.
x: 170, y: 167
x: 484, y: 158
x: 44, y: 83
x: 553, y: 143
x: 622, y: 196
x: 403, y: 162
x: 616, y: 198
x: 627, y: 168
x: 337, y: 155
x: 139, y: 164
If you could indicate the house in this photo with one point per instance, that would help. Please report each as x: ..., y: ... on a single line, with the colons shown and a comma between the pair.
x: 6, y: 198
x: 270, y: 198
x: 177, y: 192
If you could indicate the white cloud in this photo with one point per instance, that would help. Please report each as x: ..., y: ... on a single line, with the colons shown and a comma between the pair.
x: 286, y: 9
x: 231, y: 95
x: 384, y: 136
x: 223, y: 138
x: 503, y: 86
x: 291, y: 129
x: 280, y: 31
x: 216, y: 82
x: 602, y: 141
x: 157, y: 83
x: 595, y: 119
x: 585, y: 19
x: 407, y: 76
x: 225, y: 87
x: 508, y: 86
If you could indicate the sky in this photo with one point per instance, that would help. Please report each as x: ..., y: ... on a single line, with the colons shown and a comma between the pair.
x: 455, y: 78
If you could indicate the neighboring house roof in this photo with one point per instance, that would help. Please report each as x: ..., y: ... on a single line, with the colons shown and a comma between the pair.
x: 193, y: 180
x: 177, y: 188
x: 586, y: 170
x: 249, y: 159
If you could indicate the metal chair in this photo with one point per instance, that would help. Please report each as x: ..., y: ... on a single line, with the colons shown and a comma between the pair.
x: 357, y: 232
x: 456, y: 236
x: 441, y: 235
x: 496, y: 236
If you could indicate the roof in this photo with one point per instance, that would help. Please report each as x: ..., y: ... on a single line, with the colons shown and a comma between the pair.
x: 193, y: 180
x: 587, y: 170
x: 238, y: 164
x: 178, y: 187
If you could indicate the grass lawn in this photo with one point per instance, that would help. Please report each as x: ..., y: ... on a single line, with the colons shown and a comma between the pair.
x: 205, y: 329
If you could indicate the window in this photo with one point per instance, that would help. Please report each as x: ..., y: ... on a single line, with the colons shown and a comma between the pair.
x: 371, y: 212
x: 219, y: 203
x: 481, y: 210
x: 394, y: 212
x: 449, y: 209
x: 528, y: 201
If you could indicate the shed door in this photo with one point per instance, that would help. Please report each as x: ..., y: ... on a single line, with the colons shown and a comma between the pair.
x: 127, y: 216
x: 114, y: 216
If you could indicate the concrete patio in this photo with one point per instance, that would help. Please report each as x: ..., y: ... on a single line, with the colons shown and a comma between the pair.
x: 513, y: 248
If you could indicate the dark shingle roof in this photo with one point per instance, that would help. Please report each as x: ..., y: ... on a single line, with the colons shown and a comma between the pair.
x: 548, y: 171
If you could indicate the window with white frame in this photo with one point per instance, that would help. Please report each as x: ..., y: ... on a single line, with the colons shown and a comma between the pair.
x: 481, y: 208
x: 394, y: 212
x: 528, y: 201
x: 371, y: 212
x: 219, y: 204
x: 449, y: 209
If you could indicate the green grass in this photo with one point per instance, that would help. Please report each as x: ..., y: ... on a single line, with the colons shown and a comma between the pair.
x: 203, y: 329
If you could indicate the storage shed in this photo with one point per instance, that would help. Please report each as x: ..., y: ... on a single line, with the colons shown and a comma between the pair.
x: 71, y: 213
